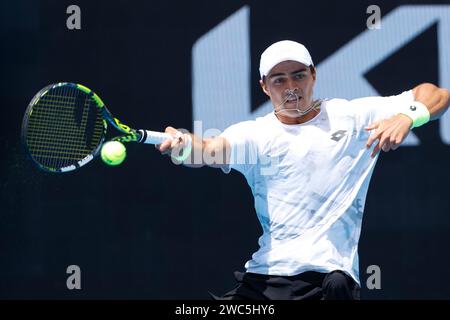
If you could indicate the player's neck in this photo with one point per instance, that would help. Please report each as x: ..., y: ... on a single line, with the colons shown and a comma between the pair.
x: 298, y: 120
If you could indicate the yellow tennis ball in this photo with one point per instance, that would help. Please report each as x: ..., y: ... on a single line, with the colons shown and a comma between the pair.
x: 113, y: 153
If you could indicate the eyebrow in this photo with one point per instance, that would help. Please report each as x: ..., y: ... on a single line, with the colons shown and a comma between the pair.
x: 282, y: 74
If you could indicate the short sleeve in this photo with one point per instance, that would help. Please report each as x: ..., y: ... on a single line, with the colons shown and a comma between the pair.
x: 372, y: 109
x: 243, y: 155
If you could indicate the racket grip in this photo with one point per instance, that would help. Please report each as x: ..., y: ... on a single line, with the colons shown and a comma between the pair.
x: 154, y: 137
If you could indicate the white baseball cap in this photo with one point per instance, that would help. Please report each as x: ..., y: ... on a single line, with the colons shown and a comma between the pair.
x: 283, y: 51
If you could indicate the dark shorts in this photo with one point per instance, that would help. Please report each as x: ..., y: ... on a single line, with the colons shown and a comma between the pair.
x: 310, y: 285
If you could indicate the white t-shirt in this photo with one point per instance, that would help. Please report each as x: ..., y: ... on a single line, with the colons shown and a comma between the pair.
x: 309, y: 182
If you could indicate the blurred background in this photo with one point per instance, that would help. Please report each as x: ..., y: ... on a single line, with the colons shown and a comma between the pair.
x: 149, y: 229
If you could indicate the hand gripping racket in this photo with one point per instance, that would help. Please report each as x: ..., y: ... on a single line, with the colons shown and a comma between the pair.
x: 65, y: 126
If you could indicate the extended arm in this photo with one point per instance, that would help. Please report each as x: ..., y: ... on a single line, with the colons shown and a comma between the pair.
x: 213, y: 152
x: 434, y: 98
x: 391, y: 132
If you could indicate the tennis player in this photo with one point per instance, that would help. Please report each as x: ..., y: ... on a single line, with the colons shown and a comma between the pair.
x: 308, y: 164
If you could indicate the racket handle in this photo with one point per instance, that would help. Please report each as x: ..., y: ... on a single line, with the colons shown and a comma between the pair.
x: 154, y: 137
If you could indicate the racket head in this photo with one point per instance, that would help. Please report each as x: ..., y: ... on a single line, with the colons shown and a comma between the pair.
x: 63, y: 127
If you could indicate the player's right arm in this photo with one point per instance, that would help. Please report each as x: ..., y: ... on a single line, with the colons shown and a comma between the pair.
x: 213, y: 152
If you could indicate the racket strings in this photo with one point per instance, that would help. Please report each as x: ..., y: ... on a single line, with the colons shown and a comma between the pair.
x: 53, y: 122
x: 64, y: 127
x: 44, y: 142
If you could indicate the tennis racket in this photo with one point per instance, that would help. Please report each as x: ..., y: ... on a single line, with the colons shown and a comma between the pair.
x: 65, y: 126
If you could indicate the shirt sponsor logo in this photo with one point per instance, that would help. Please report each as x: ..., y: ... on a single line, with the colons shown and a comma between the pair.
x: 338, y: 135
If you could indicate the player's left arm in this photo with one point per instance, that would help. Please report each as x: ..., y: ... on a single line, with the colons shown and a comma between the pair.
x: 391, y: 132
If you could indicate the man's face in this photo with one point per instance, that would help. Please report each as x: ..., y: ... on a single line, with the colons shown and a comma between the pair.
x: 286, y: 77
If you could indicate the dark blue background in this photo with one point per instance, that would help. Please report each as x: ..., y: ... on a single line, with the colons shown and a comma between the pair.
x: 152, y: 230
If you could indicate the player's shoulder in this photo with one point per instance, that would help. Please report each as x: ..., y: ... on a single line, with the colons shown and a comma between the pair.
x: 252, y: 128
x: 335, y: 102
x: 266, y: 119
x: 259, y: 122
x: 336, y: 105
x: 245, y: 127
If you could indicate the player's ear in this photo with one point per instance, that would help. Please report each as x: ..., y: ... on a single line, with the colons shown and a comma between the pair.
x: 264, y: 86
x: 313, y: 72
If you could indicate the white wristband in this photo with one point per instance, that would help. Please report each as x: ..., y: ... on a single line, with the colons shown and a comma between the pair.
x: 418, y: 112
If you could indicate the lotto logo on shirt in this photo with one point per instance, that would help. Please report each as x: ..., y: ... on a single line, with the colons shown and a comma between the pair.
x: 338, y: 135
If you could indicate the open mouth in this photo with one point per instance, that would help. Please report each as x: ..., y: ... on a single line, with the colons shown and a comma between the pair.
x: 293, y: 99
